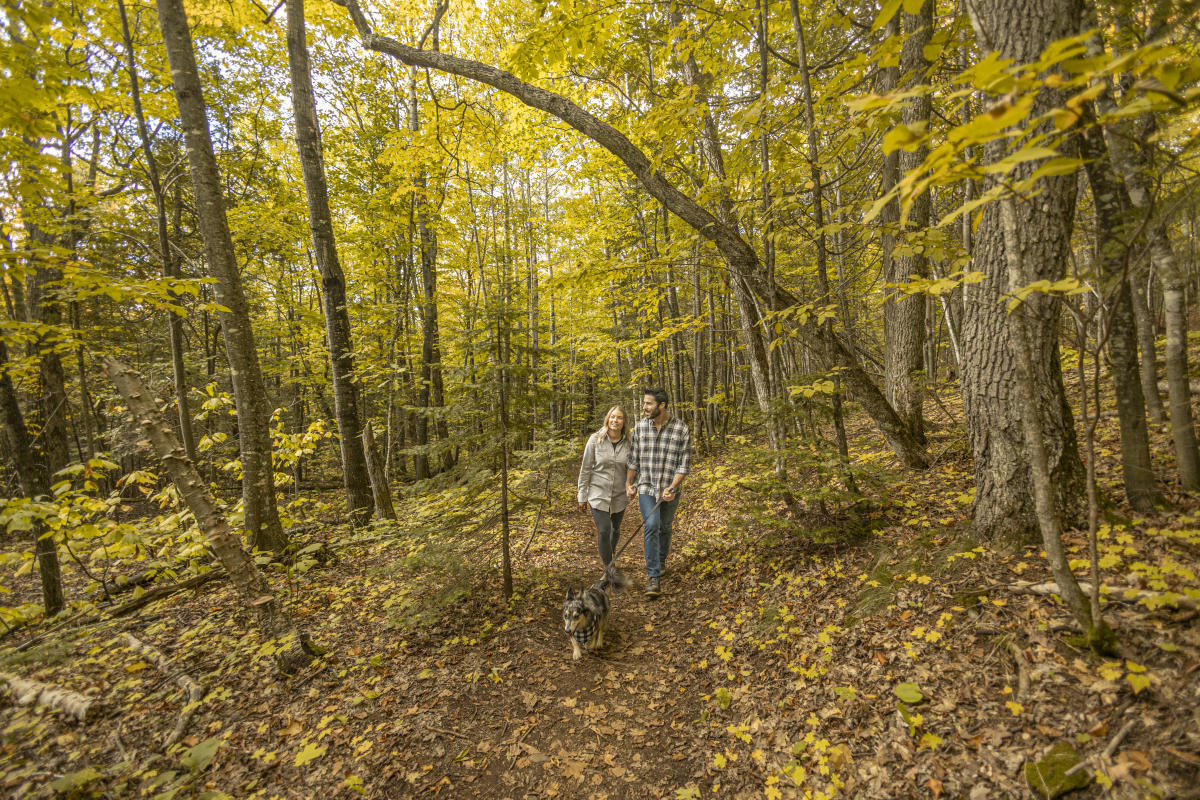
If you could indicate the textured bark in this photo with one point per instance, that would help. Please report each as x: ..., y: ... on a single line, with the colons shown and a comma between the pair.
x: 904, y: 316
x: 1004, y: 507
x: 1049, y: 523
x: 1113, y: 246
x: 34, y: 483
x: 739, y: 256
x: 1135, y: 166
x: 249, y: 393
x: 245, y: 577
x: 170, y: 266
x: 1148, y: 359
x: 333, y: 282
x: 380, y: 491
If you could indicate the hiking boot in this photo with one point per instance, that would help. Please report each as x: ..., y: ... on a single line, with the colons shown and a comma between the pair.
x: 652, y: 588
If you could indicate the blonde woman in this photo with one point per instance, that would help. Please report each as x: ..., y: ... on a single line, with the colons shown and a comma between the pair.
x: 602, y: 479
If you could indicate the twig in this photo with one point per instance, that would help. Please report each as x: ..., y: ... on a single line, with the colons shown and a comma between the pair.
x: 436, y: 729
x: 1108, y: 751
x: 1022, y: 667
x: 536, y: 521
x: 192, y: 690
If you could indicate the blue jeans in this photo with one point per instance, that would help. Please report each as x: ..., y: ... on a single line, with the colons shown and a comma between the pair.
x: 657, y: 537
x: 608, y: 531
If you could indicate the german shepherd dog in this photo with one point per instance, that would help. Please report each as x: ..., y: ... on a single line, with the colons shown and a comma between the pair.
x: 586, y: 611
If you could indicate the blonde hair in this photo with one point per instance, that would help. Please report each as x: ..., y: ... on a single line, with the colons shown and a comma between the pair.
x: 604, y: 425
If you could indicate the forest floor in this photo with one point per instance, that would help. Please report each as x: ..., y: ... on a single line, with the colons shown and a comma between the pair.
x: 874, y: 653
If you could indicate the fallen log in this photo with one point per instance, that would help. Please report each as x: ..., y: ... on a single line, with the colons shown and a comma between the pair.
x: 26, y: 692
x: 159, y: 592
x: 1175, y: 599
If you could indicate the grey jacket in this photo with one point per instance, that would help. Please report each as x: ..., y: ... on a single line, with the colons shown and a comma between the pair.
x: 602, y: 474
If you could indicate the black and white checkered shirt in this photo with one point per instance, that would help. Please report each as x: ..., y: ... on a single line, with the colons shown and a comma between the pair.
x: 658, y: 455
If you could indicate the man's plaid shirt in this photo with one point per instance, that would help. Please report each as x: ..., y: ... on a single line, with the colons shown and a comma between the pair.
x: 658, y: 455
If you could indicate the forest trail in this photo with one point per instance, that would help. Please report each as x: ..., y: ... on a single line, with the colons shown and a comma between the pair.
x: 618, y: 723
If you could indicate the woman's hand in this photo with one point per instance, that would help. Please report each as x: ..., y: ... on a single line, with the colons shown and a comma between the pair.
x: 583, y: 506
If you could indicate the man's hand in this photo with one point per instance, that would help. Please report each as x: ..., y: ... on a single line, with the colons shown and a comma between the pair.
x: 583, y: 506
x: 669, y: 494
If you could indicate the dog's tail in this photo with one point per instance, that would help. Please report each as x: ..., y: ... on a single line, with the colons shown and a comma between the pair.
x: 615, y: 579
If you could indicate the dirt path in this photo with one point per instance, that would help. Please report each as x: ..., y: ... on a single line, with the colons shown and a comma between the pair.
x: 530, y: 722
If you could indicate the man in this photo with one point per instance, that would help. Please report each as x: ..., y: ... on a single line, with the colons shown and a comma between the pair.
x: 658, y: 462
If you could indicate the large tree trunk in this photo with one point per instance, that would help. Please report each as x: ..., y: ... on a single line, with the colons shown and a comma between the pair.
x: 249, y: 393
x: 740, y: 257
x: 1004, y: 507
x: 170, y: 266
x: 333, y: 282
x: 34, y: 483
x: 1029, y: 409
x: 294, y: 649
x: 1113, y: 246
x: 904, y: 315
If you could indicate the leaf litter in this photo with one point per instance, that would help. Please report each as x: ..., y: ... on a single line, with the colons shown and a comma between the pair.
x: 910, y: 661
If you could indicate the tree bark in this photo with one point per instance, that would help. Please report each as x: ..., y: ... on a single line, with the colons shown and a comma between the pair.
x: 904, y: 315
x: 170, y: 266
x: 1049, y: 523
x: 250, y: 396
x: 740, y: 257
x: 1003, y: 507
x: 295, y: 650
x: 380, y: 490
x: 1113, y: 233
x: 35, y: 483
x: 333, y: 282
x: 1134, y: 166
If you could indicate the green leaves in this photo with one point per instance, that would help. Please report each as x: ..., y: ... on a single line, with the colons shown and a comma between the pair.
x: 909, y: 693
x: 199, y: 757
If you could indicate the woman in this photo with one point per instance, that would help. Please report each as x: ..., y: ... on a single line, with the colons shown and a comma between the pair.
x: 602, y: 479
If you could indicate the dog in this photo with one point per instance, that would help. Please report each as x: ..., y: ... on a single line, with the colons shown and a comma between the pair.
x: 585, y: 612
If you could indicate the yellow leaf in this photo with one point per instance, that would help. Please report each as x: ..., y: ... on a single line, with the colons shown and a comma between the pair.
x: 310, y: 753
x: 1014, y: 707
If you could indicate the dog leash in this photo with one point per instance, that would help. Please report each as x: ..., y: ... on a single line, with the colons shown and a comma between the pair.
x: 635, y: 532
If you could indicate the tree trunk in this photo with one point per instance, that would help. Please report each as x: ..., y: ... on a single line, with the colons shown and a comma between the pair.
x: 295, y: 650
x: 1049, y: 523
x: 904, y: 315
x: 250, y: 396
x: 35, y: 483
x: 1113, y: 232
x: 333, y: 282
x: 1134, y: 167
x: 170, y: 266
x: 992, y: 400
x: 380, y: 490
x: 1148, y: 361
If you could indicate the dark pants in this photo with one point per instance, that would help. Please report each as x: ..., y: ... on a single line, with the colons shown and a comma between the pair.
x: 608, y: 531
